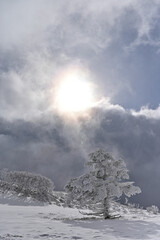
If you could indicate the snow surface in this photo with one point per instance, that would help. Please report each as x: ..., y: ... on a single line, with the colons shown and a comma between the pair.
x: 56, y: 222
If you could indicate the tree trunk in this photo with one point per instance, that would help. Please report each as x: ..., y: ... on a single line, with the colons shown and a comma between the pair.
x: 106, y: 206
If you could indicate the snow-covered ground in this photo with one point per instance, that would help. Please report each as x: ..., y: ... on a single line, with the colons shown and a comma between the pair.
x: 56, y: 222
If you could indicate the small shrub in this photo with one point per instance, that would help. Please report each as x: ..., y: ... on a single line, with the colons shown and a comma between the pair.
x: 27, y: 184
x: 153, y: 209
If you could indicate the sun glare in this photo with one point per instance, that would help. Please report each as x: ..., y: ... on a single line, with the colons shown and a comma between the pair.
x: 74, y: 92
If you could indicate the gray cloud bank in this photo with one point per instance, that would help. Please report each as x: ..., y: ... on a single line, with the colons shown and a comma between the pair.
x: 59, y: 150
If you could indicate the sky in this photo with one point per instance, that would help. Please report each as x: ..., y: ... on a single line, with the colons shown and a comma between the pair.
x: 115, y: 45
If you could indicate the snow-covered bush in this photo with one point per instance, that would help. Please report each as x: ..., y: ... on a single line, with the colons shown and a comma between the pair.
x: 105, y: 181
x: 27, y: 184
x: 153, y: 209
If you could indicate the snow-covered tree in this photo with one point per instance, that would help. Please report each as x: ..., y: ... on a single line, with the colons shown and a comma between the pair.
x: 27, y: 184
x: 105, y: 181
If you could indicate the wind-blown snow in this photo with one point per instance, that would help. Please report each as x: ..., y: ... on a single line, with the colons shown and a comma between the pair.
x: 56, y: 222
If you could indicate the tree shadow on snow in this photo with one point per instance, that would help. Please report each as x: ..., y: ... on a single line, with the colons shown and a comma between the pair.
x: 121, y: 228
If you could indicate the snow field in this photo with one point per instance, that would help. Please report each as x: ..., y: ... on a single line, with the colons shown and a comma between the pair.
x: 55, y: 222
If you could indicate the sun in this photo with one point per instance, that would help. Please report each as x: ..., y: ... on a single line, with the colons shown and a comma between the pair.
x: 74, y: 92
x: 74, y: 96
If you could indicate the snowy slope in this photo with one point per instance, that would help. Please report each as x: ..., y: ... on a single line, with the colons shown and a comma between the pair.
x: 55, y: 222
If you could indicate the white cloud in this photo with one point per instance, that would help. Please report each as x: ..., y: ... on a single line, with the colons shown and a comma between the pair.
x: 46, y: 36
x: 106, y: 105
x: 148, y: 19
x: 148, y: 113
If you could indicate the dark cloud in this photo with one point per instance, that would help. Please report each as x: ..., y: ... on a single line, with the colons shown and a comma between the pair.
x: 137, y: 140
x: 59, y: 150
x: 40, y: 147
